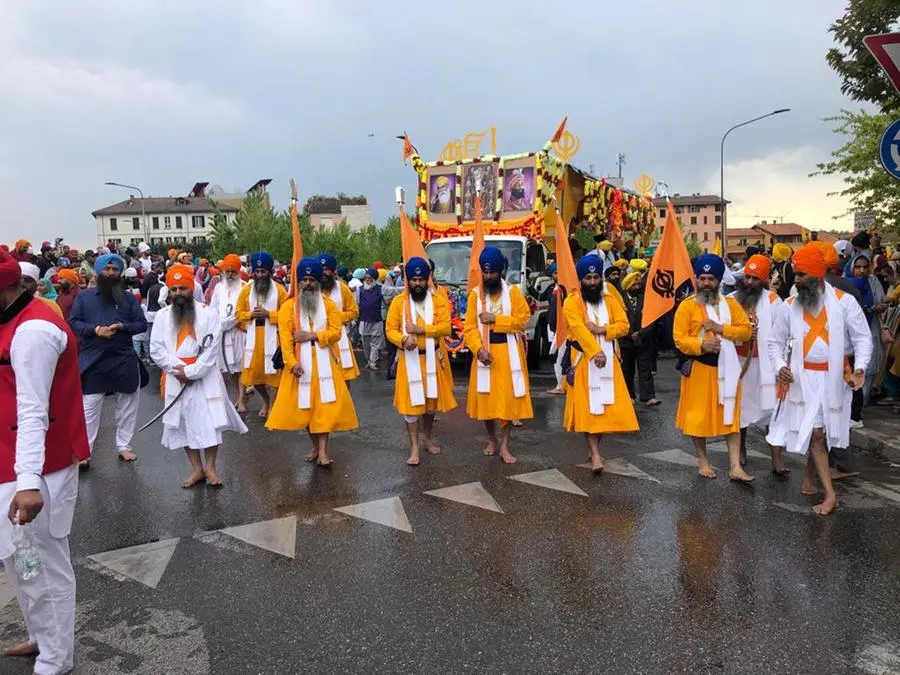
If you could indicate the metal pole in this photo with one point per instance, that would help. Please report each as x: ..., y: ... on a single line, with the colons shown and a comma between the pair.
x: 723, y: 235
x: 144, y: 229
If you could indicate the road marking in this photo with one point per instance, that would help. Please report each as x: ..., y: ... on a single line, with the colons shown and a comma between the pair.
x: 551, y: 479
x: 674, y: 456
x: 278, y: 535
x: 472, y: 494
x: 388, y: 512
x: 620, y: 467
x: 145, y: 563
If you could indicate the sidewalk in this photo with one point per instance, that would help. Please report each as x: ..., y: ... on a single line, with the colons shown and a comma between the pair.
x: 881, y: 434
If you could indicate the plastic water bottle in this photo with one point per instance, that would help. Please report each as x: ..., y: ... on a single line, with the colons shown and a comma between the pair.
x: 26, y: 558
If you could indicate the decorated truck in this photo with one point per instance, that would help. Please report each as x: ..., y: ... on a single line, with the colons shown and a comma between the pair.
x: 521, y: 195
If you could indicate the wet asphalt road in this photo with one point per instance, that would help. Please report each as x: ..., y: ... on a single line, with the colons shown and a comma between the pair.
x: 662, y: 573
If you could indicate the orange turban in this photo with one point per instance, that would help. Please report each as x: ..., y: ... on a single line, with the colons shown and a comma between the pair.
x: 69, y: 275
x: 829, y: 253
x: 22, y: 243
x: 231, y: 263
x: 810, y: 260
x: 172, y: 252
x: 212, y: 270
x: 180, y: 275
x: 758, y: 266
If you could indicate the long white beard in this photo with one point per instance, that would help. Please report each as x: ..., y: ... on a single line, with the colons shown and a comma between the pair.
x: 309, y: 302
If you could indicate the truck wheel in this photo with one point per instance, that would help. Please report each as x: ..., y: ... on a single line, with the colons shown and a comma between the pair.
x: 536, y: 347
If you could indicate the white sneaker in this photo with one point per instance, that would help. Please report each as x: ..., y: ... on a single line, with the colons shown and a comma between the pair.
x: 856, y: 425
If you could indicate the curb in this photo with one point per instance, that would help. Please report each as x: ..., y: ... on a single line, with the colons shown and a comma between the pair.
x: 877, y: 444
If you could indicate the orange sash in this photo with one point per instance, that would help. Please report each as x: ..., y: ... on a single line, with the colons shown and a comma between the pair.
x: 817, y: 329
x: 183, y: 333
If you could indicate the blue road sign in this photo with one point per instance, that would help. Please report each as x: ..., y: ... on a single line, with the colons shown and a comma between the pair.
x: 889, y: 149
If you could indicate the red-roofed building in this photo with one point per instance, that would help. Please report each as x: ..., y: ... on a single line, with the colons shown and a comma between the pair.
x: 792, y: 234
x: 739, y: 238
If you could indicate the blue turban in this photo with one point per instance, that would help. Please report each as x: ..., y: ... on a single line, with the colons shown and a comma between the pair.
x: 551, y: 269
x: 261, y: 261
x: 710, y: 264
x: 343, y: 272
x: 309, y: 267
x: 372, y: 272
x: 108, y: 259
x: 492, y: 260
x: 589, y: 264
x: 417, y: 267
x: 327, y: 261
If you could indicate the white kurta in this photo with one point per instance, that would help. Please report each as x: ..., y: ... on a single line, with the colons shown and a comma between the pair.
x: 224, y: 303
x: 755, y: 407
x: 204, y: 411
x: 807, y: 405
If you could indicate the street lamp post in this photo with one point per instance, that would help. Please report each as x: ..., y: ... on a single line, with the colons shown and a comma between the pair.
x: 722, y: 172
x: 144, y: 229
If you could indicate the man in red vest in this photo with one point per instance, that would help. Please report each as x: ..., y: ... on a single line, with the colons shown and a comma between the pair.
x: 42, y: 439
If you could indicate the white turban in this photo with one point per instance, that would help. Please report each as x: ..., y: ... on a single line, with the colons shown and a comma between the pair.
x: 30, y: 270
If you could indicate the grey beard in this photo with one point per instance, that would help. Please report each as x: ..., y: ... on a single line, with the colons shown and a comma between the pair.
x: 708, y: 297
x: 808, y: 297
x: 262, y: 286
x: 748, y: 296
x: 183, y: 311
x: 309, y: 302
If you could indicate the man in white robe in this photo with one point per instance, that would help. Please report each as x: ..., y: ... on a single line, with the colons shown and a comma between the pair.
x: 234, y: 336
x: 814, y: 333
x: 185, y: 344
x: 758, y: 382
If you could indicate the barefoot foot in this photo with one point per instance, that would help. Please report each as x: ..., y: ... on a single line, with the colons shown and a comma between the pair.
x: 213, y: 479
x: 828, y: 505
x: 311, y: 456
x: 241, y: 408
x: 193, y: 479
x: 264, y: 412
x: 490, y: 448
x: 842, y: 475
x: 413, y: 460
x: 22, y: 649
x: 781, y: 471
x: 740, y: 476
x: 127, y: 455
x: 706, y: 471
x: 507, y: 458
x: 432, y: 447
x: 597, y: 465
x: 808, y: 487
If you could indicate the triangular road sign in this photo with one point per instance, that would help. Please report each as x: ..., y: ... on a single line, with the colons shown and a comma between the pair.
x: 886, y: 50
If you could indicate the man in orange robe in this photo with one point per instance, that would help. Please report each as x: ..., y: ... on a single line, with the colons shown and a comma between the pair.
x: 706, y: 327
x: 496, y: 315
x: 417, y: 322
x: 597, y: 402
x: 313, y: 394
x: 335, y: 288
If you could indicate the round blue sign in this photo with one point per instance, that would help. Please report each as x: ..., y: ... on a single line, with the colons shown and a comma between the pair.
x: 889, y: 149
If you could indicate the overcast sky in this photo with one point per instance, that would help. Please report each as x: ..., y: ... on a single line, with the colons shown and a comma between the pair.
x: 164, y: 93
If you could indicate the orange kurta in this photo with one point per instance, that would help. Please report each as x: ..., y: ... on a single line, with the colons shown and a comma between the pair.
x: 393, y: 331
x: 699, y: 412
x: 255, y: 374
x: 320, y: 418
x: 500, y: 403
x: 348, y: 314
x: 618, y: 416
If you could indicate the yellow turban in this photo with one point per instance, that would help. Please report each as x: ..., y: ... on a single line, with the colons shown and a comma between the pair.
x: 630, y: 280
x: 605, y: 245
x: 621, y: 263
x: 781, y: 252
x: 638, y: 264
x: 382, y: 273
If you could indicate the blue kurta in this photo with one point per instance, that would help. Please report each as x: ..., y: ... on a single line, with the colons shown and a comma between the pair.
x: 108, y: 366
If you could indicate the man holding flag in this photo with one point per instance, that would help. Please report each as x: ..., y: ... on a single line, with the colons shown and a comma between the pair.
x: 597, y: 402
x: 337, y: 289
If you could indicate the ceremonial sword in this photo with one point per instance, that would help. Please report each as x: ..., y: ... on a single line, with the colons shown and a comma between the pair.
x: 783, y: 386
x: 207, y: 340
x: 228, y: 311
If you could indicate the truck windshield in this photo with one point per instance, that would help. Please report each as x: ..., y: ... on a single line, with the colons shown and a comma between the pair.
x: 451, y: 260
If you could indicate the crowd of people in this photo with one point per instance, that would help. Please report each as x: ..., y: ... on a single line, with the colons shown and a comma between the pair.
x: 794, y: 342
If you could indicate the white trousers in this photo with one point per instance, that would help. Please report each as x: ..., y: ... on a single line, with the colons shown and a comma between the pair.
x: 557, y: 366
x: 48, y: 601
x: 126, y: 417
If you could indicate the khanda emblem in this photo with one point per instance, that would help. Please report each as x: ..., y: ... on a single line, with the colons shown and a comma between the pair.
x: 663, y: 283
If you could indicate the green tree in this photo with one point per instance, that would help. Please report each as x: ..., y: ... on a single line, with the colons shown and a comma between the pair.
x: 224, y: 237
x: 869, y: 188
x: 862, y: 79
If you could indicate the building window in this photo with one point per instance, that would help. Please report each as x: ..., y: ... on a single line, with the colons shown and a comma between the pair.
x: 135, y: 223
x: 706, y: 236
x: 200, y: 239
x: 693, y: 220
x: 693, y: 236
x: 198, y: 222
x: 705, y: 219
x: 718, y: 220
x: 679, y: 209
x: 167, y: 223
x: 694, y: 209
x: 113, y: 224
x: 177, y: 222
x: 168, y: 240
x: 135, y: 241
x: 155, y: 222
x: 662, y: 213
x: 661, y: 230
x: 718, y: 207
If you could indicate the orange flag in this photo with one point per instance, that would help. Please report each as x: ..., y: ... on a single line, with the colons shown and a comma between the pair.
x: 297, y: 254
x: 566, y: 275
x: 408, y: 149
x: 560, y: 131
x: 670, y: 268
x: 474, y: 280
x: 410, y: 244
